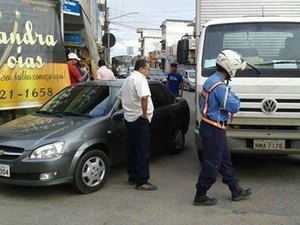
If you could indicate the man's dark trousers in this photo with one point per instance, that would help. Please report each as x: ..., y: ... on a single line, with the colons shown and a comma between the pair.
x: 216, y: 158
x: 138, y: 151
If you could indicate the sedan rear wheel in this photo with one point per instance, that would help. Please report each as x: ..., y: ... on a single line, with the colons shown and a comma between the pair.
x: 91, y: 172
x: 177, y: 141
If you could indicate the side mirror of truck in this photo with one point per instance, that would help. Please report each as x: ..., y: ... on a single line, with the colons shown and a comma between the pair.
x: 183, y: 51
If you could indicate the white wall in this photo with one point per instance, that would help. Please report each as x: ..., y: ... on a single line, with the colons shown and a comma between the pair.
x: 149, y: 39
x: 175, y: 31
x: 172, y: 32
x: 151, y: 33
x: 151, y: 44
x: 234, y: 8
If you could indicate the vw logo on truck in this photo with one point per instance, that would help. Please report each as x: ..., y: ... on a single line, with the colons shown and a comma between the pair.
x: 269, y: 105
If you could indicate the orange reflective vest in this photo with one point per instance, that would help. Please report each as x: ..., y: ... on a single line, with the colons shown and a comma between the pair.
x: 205, y: 94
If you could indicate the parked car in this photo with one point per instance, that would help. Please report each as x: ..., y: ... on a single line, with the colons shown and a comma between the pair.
x: 80, y: 133
x: 123, y: 72
x: 189, y: 79
x: 130, y: 70
x: 158, y: 75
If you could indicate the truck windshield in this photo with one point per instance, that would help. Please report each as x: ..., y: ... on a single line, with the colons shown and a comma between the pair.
x: 272, y: 47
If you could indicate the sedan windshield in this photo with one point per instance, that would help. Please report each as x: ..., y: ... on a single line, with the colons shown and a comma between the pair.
x: 156, y: 72
x: 82, y: 100
x: 192, y: 74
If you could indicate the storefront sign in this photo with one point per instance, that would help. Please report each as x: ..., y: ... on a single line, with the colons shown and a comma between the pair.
x: 32, y: 58
x: 73, y: 39
x: 72, y: 7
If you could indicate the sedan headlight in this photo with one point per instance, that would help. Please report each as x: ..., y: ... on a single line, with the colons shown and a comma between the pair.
x: 48, y: 151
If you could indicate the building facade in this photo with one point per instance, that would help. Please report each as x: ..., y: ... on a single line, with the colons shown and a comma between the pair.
x: 149, y: 40
x: 82, y: 29
x: 172, y: 31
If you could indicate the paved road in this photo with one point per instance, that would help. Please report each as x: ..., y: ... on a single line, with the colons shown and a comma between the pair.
x: 275, y: 181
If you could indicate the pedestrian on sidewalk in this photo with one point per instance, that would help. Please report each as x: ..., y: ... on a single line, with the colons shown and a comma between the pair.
x: 216, y: 103
x: 83, y: 69
x: 103, y: 73
x: 138, y: 111
x: 175, y: 81
x: 73, y: 70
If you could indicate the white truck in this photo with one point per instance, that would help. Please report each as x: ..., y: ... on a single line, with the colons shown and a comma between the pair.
x: 269, y: 88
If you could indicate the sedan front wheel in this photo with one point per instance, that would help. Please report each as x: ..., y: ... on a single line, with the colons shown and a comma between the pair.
x: 91, y: 172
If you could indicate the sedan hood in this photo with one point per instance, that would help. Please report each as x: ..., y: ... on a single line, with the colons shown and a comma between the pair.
x: 36, y: 130
x: 192, y: 80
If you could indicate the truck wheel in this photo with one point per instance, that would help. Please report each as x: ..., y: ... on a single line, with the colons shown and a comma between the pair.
x: 91, y: 172
x: 177, y: 141
x: 189, y: 89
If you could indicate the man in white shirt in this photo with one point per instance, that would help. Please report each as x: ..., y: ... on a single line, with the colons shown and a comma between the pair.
x: 103, y: 73
x: 138, y: 112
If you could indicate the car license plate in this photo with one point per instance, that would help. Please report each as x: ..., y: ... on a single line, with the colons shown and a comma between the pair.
x: 260, y: 144
x: 4, y: 170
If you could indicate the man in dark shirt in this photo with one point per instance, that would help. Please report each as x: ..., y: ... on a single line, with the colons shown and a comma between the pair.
x: 175, y: 81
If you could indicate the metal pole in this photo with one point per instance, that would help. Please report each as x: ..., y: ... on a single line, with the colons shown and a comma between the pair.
x: 106, y: 31
x: 62, y: 2
x: 198, y: 27
x: 108, y: 48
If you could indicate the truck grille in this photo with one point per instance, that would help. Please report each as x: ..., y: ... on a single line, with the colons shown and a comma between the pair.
x: 270, y: 105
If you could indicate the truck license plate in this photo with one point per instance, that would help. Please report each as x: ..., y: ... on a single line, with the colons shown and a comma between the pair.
x: 260, y: 144
x: 4, y: 170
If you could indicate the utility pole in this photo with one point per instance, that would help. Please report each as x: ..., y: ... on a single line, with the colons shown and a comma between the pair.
x: 198, y: 27
x: 62, y: 2
x: 106, y: 31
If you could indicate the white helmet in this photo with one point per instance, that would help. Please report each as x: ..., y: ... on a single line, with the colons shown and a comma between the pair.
x: 230, y: 61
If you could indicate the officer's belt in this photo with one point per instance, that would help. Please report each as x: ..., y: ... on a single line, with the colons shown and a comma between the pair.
x: 221, y: 125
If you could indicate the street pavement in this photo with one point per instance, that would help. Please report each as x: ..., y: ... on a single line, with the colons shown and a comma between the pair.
x: 274, y: 180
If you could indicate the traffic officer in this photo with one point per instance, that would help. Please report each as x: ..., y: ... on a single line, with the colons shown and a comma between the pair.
x: 217, y: 102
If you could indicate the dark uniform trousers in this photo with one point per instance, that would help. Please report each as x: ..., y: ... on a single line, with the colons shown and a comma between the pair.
x: 138, y: 150
x: 216, y: 158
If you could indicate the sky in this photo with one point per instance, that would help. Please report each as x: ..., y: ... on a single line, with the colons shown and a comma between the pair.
x: 143, y: 14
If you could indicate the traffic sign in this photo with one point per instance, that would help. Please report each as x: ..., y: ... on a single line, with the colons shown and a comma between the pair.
x: 108, y: 40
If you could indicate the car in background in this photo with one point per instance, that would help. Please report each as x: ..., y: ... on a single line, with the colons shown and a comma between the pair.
x: 157, y: 75
x: 130, y: 70
x: 189, y: 77
x: 80, y: 133
x: 182, y: 67
x: 123, y: 72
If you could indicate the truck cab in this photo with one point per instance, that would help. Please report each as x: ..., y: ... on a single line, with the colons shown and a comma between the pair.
x: 269, y: 118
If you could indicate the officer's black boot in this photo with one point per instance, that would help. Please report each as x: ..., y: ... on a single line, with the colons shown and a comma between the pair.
x: 238, y: 193
x: 201, y: 199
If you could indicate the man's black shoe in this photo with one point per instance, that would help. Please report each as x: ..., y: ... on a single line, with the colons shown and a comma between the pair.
x: 203, y: 200
x: 146, y: 187
x: 240, y: 194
